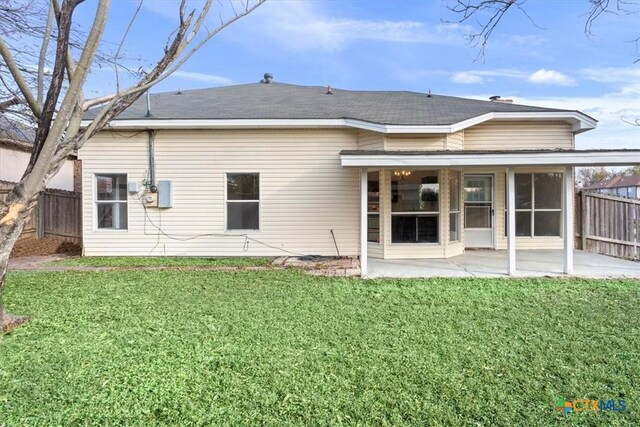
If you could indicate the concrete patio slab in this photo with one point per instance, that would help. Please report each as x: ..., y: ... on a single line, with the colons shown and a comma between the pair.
x: 490, y: 263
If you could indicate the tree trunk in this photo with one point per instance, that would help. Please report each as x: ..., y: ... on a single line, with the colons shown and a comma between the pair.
x: 14, y: 213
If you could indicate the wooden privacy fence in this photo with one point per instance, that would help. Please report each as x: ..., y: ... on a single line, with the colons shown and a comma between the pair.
x: 59, y: 216
x: 56, y: 216
x: 607, y: 225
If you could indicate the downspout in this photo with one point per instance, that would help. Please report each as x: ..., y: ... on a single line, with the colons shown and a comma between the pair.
x: 151, y: 148
x: 152, y: 161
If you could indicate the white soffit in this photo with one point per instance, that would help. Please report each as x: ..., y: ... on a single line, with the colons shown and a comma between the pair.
x: 525, y: 158
x: 580, y: 123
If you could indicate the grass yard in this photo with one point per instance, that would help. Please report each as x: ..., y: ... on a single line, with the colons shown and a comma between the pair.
x: 281, y: 348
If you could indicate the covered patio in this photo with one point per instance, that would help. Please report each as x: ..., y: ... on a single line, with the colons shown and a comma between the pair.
x: 490, y: 263
x: 529, y: 261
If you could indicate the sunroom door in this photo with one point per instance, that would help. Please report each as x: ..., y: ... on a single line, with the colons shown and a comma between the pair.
x: 478, y: 211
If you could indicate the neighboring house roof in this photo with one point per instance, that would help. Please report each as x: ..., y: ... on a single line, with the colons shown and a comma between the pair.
x: 15, y: 135
x: 617, y: 182
x: 14, y: 130
x: 279, y: 101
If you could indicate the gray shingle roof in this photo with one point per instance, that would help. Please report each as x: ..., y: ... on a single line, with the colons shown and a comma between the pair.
x: 617, y: 182
x: 286, y: 101
x: 14, y: 130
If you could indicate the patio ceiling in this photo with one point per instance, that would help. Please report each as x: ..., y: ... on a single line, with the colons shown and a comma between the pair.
x: 512, y: 158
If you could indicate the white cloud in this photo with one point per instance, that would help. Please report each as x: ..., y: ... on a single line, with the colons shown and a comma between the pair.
x: 621, y: 75
x: 309, y: 26
x: 466, y: 78
x: 551, y: 77
x: 202, y: 77
x: 482, y: 76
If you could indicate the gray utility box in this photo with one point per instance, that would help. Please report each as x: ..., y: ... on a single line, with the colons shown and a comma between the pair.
x: 165, y: 194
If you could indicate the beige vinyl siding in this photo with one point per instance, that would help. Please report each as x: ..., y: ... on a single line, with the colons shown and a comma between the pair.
x: 507, y: 135
x: 410, y: 142
x: 375, y: 250
x: 370, y: 140
x: 304, y: 192
x: 455, y: 141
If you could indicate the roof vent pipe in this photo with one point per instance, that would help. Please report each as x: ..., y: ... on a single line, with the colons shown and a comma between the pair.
x: 268, y: 78
x: 498, y: 98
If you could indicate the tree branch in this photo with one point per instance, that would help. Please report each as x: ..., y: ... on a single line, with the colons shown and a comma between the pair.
x: 160, y: 71
x: 57, y: 79
x: 9, y: 103
x: 43, y: 55
x: 124, y: 37
x: 70, y: 101
x: 17, y: 75
x: 496, y: 9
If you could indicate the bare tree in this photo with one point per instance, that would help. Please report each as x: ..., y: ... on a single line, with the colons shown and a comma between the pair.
x: 489, y: 13
x: 55, y: 98
x: 587, y: 177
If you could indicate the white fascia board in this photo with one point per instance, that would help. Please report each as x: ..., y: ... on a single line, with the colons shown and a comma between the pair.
x: 375, y: 127
x: 579, y: 121
x: 221, y: 124
x: 596, y: 158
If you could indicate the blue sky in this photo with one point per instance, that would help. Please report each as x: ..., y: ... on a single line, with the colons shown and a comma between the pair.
x: 407, y: 45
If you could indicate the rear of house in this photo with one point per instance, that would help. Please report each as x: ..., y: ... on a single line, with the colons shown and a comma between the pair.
x: 276, y: 169
x: 16, y: 144
x: 621, y: 186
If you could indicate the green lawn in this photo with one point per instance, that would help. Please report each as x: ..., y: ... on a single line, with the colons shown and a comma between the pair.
x: 162, y: 262
x: 281, y: 348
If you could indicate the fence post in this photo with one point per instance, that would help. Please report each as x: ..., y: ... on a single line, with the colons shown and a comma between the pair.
x: 634, y: 229
x: 40, y: 217
x: 584, y: 224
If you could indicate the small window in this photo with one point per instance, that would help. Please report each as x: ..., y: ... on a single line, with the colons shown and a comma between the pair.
x: 243, y: 201
x: 111, y: 201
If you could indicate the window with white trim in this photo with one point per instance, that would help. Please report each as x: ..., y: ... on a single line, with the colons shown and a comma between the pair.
x: 538, y: 204
x: 415, y: 207
x: 111, y: 201
x: 243, y: 201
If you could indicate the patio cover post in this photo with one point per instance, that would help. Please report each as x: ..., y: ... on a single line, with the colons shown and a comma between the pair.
x: 363, y: 221
x: 568, y: 219
x: 511, y: 222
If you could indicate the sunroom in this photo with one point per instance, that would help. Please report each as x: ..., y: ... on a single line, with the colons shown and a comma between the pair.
x: 437, y: 204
